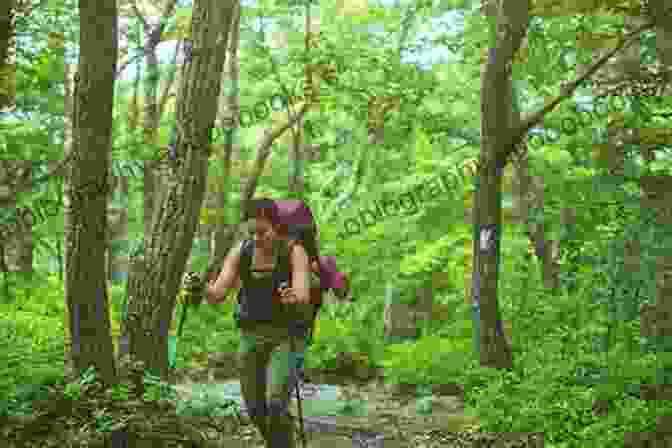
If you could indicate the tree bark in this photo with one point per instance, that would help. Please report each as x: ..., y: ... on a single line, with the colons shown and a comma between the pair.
x: 19, y: 244
x: 156, y: 270
x: 296, y: 179
x: 531, y: 196
x: 660, y: 11
x: 6, y: 29
x: 222, y: 233
x: 7, y: 42
x: 511, y: 19
x: 118, y: 231
x: 68, y: 128
x: 21, y: 250
x: 657, y: 318
x: 86, y: 294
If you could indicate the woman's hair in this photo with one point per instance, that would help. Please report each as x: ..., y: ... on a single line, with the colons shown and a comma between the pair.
x: 262, y: 208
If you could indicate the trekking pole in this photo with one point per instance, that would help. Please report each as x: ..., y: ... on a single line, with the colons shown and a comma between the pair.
x: 298, y: 396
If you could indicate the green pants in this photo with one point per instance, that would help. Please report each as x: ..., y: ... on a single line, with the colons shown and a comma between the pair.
x: 268, y: 375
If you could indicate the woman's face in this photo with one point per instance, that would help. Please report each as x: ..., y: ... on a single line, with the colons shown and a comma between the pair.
x: 264, y: 232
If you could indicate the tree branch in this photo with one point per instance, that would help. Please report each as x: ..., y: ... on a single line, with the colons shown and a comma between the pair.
x: 568, y: 89
x: 264, y: 150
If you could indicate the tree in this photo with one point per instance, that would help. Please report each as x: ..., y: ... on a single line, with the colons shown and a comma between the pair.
x: 157, y: 268
x: 501, y: 137
x: 86, y: 294
x: 7, y: 70
x: 222, y: 232
x: 660, y: 12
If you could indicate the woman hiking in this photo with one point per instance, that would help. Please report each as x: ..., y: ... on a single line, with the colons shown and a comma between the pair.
x: 273, y: 318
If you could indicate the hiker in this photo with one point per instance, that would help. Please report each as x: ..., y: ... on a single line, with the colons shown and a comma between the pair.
x: 275, y: 313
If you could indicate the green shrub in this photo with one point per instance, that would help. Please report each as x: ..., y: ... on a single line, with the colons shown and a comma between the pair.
x: 429, y: 359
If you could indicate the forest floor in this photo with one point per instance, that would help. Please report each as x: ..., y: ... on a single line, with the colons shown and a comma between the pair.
x: 344, y: 411
x: 338, y: 411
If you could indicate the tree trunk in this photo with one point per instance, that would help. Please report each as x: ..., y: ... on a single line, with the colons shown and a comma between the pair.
x: 92, y: 130
x: 7, y: 44
x: 660, y: 11
x: 500, y: 139
x: 222, y: 233
x: 296, y: 165
x: 20, y: 250
x: 118, y: 231
x: 68, y: 110
x: 152, y: 179
x: 510, y: 21
x: 6, y: 29
x: 156, y: 270
x: 20, y: 245
x: 299, y: 138
x: 657, y: 319
x: 531, y: 197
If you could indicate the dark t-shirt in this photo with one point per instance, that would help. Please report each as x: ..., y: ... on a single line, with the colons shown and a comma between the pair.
x: 259, y: 294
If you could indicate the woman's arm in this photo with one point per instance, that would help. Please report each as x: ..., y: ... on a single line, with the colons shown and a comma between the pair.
x: 300, y: 274
x: 228, y: 277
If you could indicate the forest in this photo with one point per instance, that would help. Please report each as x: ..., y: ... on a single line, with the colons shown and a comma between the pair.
x: 493, y: 177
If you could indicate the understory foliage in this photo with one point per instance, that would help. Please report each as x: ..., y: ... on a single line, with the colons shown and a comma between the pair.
x: 574, y: 348
x: 571, y: 352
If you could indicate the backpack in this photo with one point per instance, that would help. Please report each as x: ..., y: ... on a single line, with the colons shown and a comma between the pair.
x: 296, y: 218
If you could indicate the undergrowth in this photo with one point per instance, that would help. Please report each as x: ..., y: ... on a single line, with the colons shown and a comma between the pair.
x: 557, y: 377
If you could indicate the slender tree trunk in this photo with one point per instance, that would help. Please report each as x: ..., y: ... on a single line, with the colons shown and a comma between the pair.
x: 92, y: 130
x: 660, y: 11
x: 68, y: 111
x: 7, y: 44
x: 20, y: 245
x: 296, y: 165
x: 21, y: 250
x: 657, y: 319
x: 6, y: 29
x: 299, y: 138
x: 118, y: 231
x: 510, y: 21
x: 157, y: 269
x: 531, y: 197
x: 152, y: 179
x: 133, y: 121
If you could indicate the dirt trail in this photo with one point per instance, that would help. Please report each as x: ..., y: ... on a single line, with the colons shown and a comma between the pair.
x: 370, y: 415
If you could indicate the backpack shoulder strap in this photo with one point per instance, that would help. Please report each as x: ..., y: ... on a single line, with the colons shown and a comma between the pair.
x: 246, y: 253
